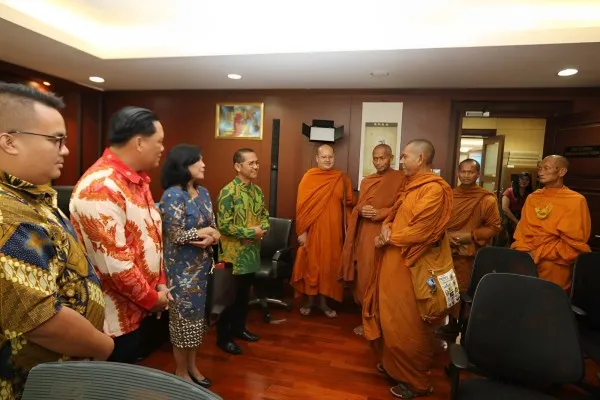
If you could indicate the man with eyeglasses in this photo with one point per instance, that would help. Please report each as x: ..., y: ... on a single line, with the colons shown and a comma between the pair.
x: 243, y: 220
x: 51, y: 304
x: 555, y: 224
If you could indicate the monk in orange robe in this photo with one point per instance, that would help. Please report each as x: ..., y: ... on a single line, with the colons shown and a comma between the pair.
x: 555, y: 224
x: 324, y: 202
x: 376, y: 197
x: 414, y: 231
x: 475, y: 221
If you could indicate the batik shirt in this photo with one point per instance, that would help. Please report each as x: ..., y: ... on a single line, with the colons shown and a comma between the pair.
x: 240, y: 207
x: 119, y: 224
x: 43, y: 268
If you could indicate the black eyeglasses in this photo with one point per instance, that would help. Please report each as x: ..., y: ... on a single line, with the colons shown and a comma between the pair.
x: 61, y: 139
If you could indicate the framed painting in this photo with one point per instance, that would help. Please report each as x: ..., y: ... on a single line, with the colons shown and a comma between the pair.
x: 239, y: 121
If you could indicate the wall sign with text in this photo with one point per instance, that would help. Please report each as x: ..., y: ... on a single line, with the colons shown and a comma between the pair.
x: 582, y: 152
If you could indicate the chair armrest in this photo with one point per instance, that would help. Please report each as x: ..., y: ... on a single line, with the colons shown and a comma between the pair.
x: 282, y: 254
x: 578, y: 311
x: 458, y: 356
x: 466, y: 297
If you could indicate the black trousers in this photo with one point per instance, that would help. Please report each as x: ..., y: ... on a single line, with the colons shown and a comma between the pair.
x: 127, y: 347
x: 232, y: 320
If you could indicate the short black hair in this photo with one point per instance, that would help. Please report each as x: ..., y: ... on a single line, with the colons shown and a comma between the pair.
x: 129, y: 122
x: 470, y: 161
x: 175, y: 171
x: 238, y: 156
x: 16, y: 104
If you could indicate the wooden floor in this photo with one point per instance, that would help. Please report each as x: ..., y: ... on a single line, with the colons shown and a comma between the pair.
x: 303, y: 358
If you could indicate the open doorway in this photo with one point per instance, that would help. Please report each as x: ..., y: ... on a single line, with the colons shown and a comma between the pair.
x: 505, y: 147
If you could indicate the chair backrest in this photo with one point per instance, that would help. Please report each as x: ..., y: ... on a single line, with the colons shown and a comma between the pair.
x: 585, y: 290
x: 277, y: 238
x: 521, y: 329
x: 500, y: 260
x: 106, y: 380
x: 64, y: 198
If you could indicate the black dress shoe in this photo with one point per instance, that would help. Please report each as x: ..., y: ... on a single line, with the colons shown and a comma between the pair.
x: 205, y: 383
x: 230, y: 348
x: 247, y: 336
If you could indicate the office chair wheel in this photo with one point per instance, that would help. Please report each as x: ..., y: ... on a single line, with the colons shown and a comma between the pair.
x: 266, y: 317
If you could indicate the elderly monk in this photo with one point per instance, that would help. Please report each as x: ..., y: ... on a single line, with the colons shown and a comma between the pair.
x: 376, y: 197
x: 555, y: 224
x: 475, y: 221
x: 414, y: 231
x: 324, y: 197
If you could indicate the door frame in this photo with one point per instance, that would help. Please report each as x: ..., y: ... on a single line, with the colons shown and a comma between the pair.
x: 499, y: 109
x: 499, y: 159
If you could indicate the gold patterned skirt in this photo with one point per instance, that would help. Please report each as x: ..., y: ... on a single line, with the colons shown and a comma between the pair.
x: 186, y: 333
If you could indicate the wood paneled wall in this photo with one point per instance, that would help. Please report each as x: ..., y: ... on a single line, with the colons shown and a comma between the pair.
x: 188, y: 116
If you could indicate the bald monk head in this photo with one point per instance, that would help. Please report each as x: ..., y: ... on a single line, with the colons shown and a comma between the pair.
x: 417, y: 157
x: 325, y: 157
x: 382, y: 158
x: 468, y: 172
x: 552, y: 170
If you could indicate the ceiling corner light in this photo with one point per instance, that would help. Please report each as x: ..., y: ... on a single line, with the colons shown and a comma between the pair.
x: 234, y: 76
x: 96, y: 79
x: 378, y: 74
x: 567, y: 72
x: 46, y: 83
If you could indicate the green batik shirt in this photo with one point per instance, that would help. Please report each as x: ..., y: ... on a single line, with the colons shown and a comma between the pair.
x: 239, y: 207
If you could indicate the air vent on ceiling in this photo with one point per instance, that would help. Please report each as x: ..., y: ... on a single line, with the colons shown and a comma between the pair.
x: 477, y: 114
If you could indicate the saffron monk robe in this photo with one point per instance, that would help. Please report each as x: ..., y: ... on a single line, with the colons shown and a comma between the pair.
x: 413, y: 232
x: 474, y: 223
x: 324, y: 202
x: 376, y: 197
x: 555, y: 224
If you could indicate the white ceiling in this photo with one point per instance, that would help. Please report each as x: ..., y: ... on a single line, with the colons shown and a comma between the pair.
x: 194, y: 44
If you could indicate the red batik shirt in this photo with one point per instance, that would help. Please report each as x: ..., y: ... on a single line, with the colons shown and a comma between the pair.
x: 116, y: 218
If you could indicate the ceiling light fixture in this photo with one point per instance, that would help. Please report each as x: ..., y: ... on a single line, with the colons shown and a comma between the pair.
x: 234, y: 76
x: 96, y: 79
x: 378, y: 74
x: 465, y: 149
x: 568, y: 72
x: 46, y: 83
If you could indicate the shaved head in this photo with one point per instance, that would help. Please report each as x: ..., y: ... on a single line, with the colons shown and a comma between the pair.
x: 470, y: 161
x: 325, y: 147
x: 325, y: 157
x: 386, y: 148
x: 560, y: 161
x: 424, y: 147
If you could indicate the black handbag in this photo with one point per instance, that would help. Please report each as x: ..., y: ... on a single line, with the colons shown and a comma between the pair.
x: 222, y: 287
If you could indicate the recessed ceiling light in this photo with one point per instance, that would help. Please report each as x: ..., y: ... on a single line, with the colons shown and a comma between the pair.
x: 46, y: 83
x: 379, y: 73
x: 234, y: 76
x: 96, y: 79
x: 567, y: 72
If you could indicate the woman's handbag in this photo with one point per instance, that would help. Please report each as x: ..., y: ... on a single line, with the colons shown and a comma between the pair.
x: 222, y: 287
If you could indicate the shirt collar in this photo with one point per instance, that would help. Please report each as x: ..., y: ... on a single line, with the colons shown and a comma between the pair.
x: 238, y: 181
x: 43, y: 193
x: 114, y: 161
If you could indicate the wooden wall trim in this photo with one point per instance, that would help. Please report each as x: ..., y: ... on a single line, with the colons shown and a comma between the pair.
x: 79, y: 134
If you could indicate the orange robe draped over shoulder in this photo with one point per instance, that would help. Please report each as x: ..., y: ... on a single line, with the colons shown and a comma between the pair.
x: 555, y: 227
x: 423, y: 212
x: 475, y: 212
x: 358, y: 254
x: 319, y: 213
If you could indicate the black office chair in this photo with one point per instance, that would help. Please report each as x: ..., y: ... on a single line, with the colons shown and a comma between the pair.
x: 96, y: 380
x: 493, y: 260
x: 585, y: 299
x: 276, y: 263
x: 521, y: 338
x: 64, y: 198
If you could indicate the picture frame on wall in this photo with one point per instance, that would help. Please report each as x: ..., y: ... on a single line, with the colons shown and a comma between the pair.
x: 239, y: 121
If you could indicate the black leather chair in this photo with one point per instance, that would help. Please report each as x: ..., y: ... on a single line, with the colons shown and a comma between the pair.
x: 276, y: 265
x: 493, y: 260
x: 521, y: 340
x: 64, y: 198
x: 585, y: 299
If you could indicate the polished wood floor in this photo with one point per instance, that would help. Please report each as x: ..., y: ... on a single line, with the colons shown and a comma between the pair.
x: 304, y: 358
